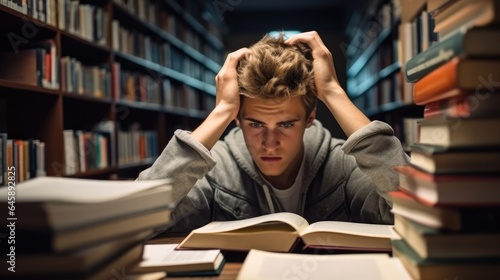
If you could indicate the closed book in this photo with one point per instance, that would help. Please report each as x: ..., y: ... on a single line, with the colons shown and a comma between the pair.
x: 455, y: 76
x: 430, y: 243
x: 468, y: 105
x: 463, y: 14
x: 454, y: 218
x: 438, y: 269
x: 54, y: 203
x: 450, y: 189
x: 164, y: 257
x: 459, y: 132
x: 477, y: 42
x: 74, y: 262
x: 441, y: 160
x: 49, y: 241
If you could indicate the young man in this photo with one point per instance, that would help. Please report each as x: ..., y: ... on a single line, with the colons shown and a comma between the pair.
x: 279, y: 158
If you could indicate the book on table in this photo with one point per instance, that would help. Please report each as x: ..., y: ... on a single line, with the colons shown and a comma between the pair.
x: 281, y: 232
x: 76, y: 261
x: 265, y: 265
x: 57, y: 214
x: 164, y: 257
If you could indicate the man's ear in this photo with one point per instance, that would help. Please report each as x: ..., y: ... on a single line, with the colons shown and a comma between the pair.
x: 237, y: 120
x: 311, y: 118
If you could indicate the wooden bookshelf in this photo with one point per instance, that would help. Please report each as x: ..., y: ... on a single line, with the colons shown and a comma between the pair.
x: 140, y: 71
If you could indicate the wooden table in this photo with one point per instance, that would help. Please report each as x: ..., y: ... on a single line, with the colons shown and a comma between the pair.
x: 229, y: 271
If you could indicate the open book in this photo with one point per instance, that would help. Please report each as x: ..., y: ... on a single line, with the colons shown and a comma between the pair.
x: 280, y: 232
x: 264, y: 265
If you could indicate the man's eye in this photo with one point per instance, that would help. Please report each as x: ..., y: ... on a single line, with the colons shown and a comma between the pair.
x: 286, y: 124
x: 256, y: 125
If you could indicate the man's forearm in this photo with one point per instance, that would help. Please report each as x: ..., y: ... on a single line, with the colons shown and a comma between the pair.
x: 213, y: 126
x: 349, y: 117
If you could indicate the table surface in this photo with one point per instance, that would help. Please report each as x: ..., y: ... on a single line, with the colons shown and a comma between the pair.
x: 229, y: 271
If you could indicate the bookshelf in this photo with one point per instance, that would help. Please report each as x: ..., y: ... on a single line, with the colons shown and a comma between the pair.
x: 118, y: 77
x: 374, y: 63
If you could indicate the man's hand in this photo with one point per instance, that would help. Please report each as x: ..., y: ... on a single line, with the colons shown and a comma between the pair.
x: 228, y: 95
x: 324, y: 71
x: 349, y: 117
x: 227, y: 102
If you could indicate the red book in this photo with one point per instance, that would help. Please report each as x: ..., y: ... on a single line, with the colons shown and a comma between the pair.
x: 450, y: 189
x: 456, y: 76
x: 464, y: 219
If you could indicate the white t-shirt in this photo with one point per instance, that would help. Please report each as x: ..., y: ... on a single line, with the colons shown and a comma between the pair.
x: 289, y: 199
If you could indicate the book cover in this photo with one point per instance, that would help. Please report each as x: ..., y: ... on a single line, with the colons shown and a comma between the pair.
x: 464, y: 43
x: 450, y: 218
x: 420, y: 268
x: 442, y: 160
x: 465, y: 14
x: 164, y: 257
x: 450, y: 189
x: 455, y: 76
x: 430, y: 243
x: 459, y: 132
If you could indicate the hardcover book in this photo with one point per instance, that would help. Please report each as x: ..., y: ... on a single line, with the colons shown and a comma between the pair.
x: 280, y: 232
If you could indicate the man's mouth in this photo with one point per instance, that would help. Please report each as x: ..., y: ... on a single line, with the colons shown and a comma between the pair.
x: 270, y: 159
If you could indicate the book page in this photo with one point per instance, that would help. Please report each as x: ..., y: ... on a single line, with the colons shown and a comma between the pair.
x: 375, y: 230
x: 165, y: 255
x: 294, y: 220
x: 76, y: 190
x: 268, y: 265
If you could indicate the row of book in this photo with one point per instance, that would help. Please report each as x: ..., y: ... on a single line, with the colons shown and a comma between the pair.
x: 84, y: 20
x: 162, y: 53
x: 20, y: 160
x: 81, y: 79
x: 86, y: 150
x: 137, y: 145
x: 447, y: 210
x: 42, y: 10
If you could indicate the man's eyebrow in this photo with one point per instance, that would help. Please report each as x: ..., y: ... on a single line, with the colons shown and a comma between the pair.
x: 281, y: 122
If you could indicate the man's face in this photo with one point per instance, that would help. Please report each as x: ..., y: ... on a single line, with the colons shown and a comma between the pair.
x: 273, y: 134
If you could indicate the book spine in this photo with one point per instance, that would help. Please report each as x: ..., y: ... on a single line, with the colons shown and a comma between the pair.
x: 438, y: 82
x: 438, y: 54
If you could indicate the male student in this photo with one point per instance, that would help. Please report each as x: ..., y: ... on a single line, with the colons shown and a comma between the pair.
x: 279, y: 158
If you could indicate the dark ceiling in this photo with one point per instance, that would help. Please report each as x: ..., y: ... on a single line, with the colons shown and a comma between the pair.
x: 261, y: 16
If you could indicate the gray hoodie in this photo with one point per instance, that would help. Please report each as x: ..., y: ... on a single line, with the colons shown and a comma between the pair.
x: 344, y: 180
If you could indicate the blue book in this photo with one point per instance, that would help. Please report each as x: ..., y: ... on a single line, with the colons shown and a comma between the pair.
x: 476, y: 42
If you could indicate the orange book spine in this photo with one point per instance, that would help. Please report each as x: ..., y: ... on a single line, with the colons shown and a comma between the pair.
x: 439, y: 84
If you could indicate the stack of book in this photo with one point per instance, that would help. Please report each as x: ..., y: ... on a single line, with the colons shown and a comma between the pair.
x: 447, y: 210
x: 66, y: 228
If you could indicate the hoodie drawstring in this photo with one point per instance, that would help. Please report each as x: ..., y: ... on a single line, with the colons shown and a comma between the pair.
x: 268, y: 198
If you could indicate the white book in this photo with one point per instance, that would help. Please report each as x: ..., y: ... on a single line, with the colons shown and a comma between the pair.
x: 264, y: 265
x: 165, y: 257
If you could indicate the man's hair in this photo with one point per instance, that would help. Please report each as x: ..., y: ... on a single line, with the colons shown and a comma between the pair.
x: 277, y: 71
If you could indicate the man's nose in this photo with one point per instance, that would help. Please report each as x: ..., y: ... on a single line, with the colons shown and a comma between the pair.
x: 270, y: 139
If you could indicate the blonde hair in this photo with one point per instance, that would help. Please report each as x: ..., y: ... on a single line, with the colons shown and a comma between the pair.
x: 277, y: 71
